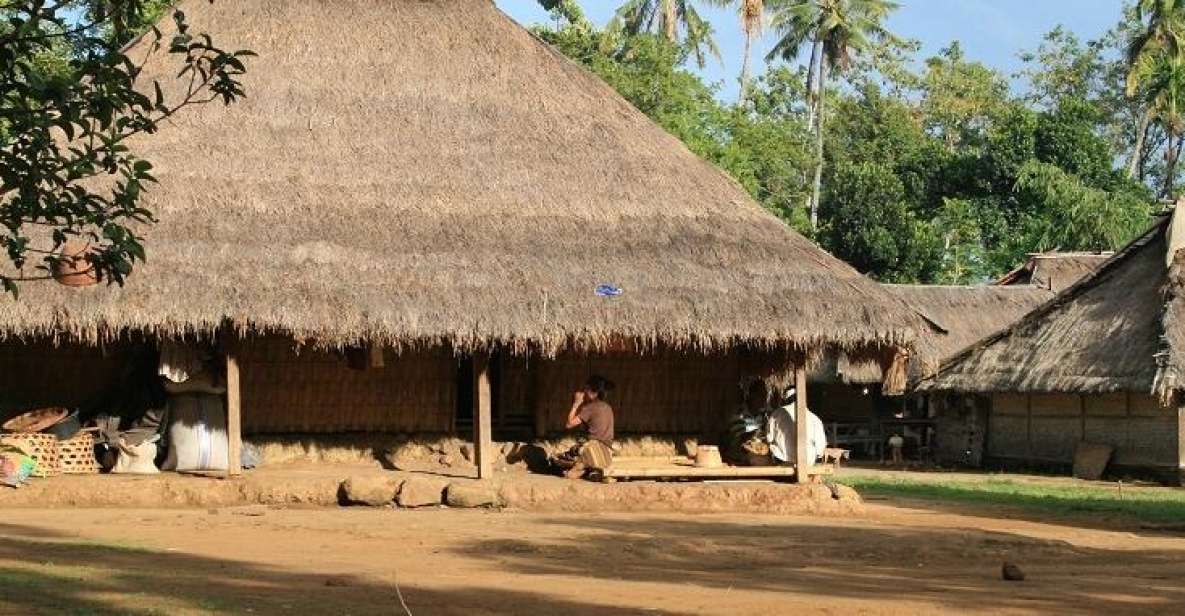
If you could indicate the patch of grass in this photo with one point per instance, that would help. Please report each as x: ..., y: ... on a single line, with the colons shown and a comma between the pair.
x: 1148, y: 505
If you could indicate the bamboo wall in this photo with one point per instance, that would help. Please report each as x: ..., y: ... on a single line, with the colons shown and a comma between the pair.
x: 1046, y: 428
x: 39, y: 374
x: 664, y: 393
x: 315, y: 391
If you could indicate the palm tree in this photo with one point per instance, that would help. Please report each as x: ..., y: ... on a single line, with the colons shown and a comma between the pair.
x: 1160, y: 77
x: 1162, y: 38
x: 669, y: 18
x: 836, y: 30
x: 752, y: 13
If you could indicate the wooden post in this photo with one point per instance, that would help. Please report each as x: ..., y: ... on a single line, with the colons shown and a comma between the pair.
x: 234, y: 416
x: 483, y: 446
x: 1181, y: 445
x: 802, y: 461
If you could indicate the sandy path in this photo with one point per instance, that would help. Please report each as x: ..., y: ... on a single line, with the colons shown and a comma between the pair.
x: 896, y: 559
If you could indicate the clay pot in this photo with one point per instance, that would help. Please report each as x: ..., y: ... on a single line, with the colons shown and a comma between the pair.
x: 72, y: 269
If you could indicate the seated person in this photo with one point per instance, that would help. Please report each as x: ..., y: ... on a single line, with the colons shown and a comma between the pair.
x: 747, y: 444
x: 590, y: 411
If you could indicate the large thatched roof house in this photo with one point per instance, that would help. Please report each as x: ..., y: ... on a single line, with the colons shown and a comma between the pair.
x: 428, y: 177
x: 1098, y: 363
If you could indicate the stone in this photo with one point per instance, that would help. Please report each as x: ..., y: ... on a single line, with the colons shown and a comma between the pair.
x: 846, y: 494
x: 421, y: 492
x: 1012, y: 573
x: 471, y: 494
x: 371, y: 491
x: 467, y: 452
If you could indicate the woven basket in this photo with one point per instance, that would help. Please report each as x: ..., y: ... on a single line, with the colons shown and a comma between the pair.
x: 77, y: 455
x: 41, y: 447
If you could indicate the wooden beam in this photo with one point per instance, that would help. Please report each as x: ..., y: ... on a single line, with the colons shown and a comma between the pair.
x: 234, y: 416
x: 802, y: 461
x: 483, y: 445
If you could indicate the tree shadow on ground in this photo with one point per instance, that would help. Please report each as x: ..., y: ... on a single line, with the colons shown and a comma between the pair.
x: 951, y: 569
x: 43, y: 572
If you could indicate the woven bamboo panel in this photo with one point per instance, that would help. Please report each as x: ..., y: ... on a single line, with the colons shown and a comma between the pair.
x: 76, y: 456
x: 41, y: 447
x: 316, y: 392
x: 41, y: 374
x: 664, y: 393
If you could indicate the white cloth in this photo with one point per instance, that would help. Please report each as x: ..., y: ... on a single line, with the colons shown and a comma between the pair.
x: 780, y: 432
x: 178, y: 362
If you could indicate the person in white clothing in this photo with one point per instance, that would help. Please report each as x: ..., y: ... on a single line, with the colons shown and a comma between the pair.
x: 781, y: 431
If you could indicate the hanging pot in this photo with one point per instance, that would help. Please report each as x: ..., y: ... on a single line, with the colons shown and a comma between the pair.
x: 72, y: 269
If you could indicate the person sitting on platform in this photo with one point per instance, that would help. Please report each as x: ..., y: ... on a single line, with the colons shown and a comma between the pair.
x: 594, y: 454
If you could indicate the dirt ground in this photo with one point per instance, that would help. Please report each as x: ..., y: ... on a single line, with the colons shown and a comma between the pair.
x: 897, y: 557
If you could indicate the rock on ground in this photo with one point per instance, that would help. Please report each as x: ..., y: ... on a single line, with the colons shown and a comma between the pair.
x: 1012, y: 573
x: 372, y: 491
x: 471, y: 494
x: 421, y: 492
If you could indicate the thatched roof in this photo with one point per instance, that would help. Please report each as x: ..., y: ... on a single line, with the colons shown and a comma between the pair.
x: 426, y: 171
x: 1118, y: 329
x: 962, y: 315
x: 1055, y: 270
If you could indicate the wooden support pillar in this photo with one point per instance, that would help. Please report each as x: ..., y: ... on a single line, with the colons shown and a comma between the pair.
x: 234, y: 416
x: 1181, y: 445
x: 483, y: 445
x: 802, y: 461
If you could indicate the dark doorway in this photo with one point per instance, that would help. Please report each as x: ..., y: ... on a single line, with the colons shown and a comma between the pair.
x: 463, y: 422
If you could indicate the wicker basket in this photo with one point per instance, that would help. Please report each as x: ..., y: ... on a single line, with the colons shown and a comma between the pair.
x: 41, y: 447
x: 77, y: 455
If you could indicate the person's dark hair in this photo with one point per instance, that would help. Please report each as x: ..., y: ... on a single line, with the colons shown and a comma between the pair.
x: 600, y: 385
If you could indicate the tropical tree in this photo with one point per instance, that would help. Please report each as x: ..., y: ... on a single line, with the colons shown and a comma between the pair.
x: 671, y: 19
x: 1163, y: 81
x: 1151, y: 58
x: 836, y: 30
x: 70, y: 101
x: 752, y: 14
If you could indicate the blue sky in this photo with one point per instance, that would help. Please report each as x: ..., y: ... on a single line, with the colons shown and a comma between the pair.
x: 991, y: 31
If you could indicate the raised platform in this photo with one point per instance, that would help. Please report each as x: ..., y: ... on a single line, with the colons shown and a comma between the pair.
x: 318, y: 485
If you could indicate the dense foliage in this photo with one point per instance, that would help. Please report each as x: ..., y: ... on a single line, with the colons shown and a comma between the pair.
x: 70, y: 99
x: 942, y: 173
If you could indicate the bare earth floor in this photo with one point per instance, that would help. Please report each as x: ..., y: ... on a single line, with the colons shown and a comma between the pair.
x: 897, y: 557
